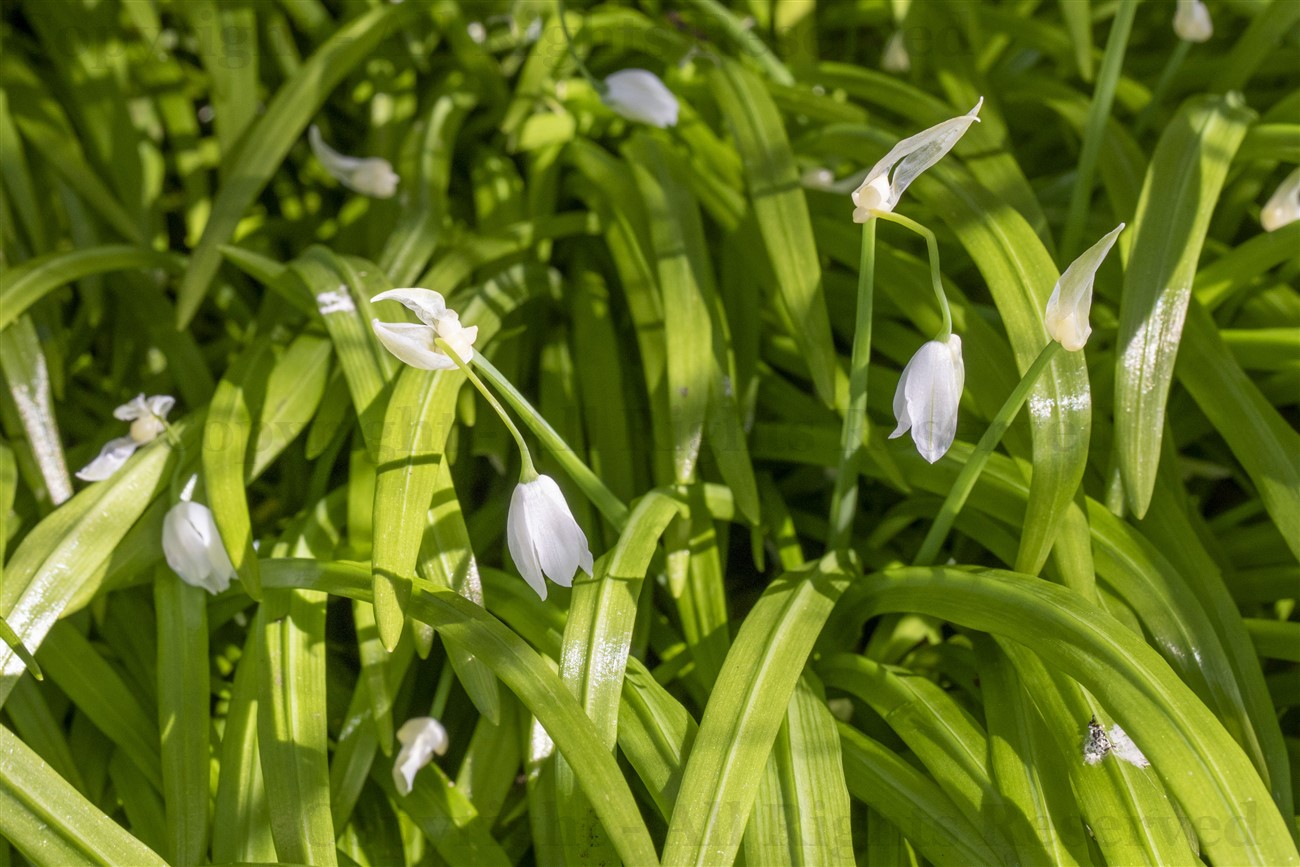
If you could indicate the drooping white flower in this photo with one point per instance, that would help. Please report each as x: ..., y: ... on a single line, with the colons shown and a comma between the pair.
x: 414, y: 343
x: 193, y: 548
x: 1071, y: 300
x: 1096, y: 745
x: 1283, y: 207
x: 1192, y: 21
x: 887, y: 180
x: 147, y: 416
x: 370, y: 176
x: 543, y: 536
x: 928, y: 394
x: 895, y: 57
x: 640, y: 95
x: 421, y: 737
x: 1123, y: 748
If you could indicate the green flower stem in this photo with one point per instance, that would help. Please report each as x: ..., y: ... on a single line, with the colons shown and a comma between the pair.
x: 844, y: 496
x: 528, y: 471
x: 1172, y: 65
x: 932, y: 244
x: 969, y: 474
x: 614, y: 509
x: 1098, y: 113
x: 597, y: 85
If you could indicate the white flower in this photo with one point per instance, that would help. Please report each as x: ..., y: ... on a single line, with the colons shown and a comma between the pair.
x: 1283, y: 207
x: 370, y: 176
x: 543, y: 536
x: 1192, y: 21
x: 420, y: 738
x: 413, y: 343
x: 1124, y: 748
x: 193, y: 548
x: 638, y: 94
x: 146, y: 415
x: 895, y: 57
x: 927, y: 397
x: 887, y: 180
x: 1067, y: 309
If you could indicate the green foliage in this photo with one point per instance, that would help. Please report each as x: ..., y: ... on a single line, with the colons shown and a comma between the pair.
x: 769, y: 664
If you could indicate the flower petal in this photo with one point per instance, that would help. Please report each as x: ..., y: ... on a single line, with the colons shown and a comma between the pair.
x: 1283, y: 207
x: 640, y: 95
x: 519, y: 540
x: 427, y: 305
x: 421, y: 737
x: 133, y: 409
x: 1066, y: 316
x: 193, y: 548
x: 370, y: 176
x: 908, y: 159
x: 412, y: 344
x: 1192, y: 21
x: 931, y: 387
x: 110, y: 459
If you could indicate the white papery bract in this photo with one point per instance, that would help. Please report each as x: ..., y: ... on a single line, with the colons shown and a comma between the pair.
x: 369, y: 176
x: 1192, y: 21
x: 1122, y: 747
x: 413, y: 343
x: 1283, y: 207
x: 928, y: 394
x: 640, y: 95
x: 421, y: 738
x: 147, y: 416
x: 1067, y: 311
x: 543, y: 536
x: 193, y: 548
x: 887, y: 180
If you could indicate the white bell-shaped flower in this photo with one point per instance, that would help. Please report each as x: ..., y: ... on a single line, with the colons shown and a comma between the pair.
x: 543, y: 536
x: 421, y: 738
x: 640, y: 95
x: 193, y: 548
x: 413, y: 343
x: 887, y: 180
x: 1283, y: 207
x: 895, y: 57
x: 1066, y: 317
x: 1192, y: 21
x: 147, y: 416
x: 928, y: 394
x: 369, y: 176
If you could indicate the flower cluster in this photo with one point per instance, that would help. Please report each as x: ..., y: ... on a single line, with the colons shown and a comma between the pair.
x: 148, y: 417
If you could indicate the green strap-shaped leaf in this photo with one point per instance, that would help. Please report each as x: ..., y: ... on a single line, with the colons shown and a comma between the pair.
x: 265, y: 144
x: 1196, y: 759
x: 23, y: 286
x: 744, y: 714
x: 184, y: 716
x: 291, y: 728
x: 802, y: 812
x: 782, y: 214
x: 890, y: 785
x: 523, y: 671
x: 1178, y: 198
x: 50, y: 822
x: 72, y: 545
x: 1032, y: 788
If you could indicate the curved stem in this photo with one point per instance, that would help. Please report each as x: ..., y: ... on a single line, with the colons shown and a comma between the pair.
x: 969, y: 474
x: 1098, y: 113
x: 598, y: 86
x: 844, y: 496
x: 595, y: 490
x: 932, y: 244
x: 528, y: 471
